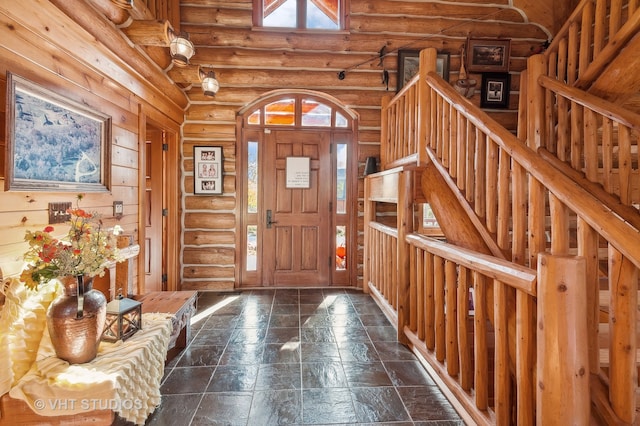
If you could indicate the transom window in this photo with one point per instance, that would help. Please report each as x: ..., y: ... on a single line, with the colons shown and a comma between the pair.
x: 312, y: 114
x: 301, y: 14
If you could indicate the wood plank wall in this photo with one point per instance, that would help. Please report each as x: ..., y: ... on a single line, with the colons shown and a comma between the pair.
x: 250, y: 62
x: 42, y: 44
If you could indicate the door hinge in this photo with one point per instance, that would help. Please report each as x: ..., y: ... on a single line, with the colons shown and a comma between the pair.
x: 330, y: 206
x: 165, y: 147
x: 329, y: 262
x: 165, y: 212
x: 165, y: 278
x: 330, y: 148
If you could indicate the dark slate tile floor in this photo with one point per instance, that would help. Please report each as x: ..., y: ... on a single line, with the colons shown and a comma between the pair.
x: 297, y: 357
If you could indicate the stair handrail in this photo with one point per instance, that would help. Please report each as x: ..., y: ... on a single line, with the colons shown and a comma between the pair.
x: 623, y: 236
x: 594, y: 33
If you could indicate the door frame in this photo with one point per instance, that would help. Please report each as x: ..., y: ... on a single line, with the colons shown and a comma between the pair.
x: 170, y: 196
x: 348, y: 135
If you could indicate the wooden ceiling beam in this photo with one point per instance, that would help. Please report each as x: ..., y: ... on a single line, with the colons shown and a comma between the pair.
x: 148, y: 33
x: 186, y: 74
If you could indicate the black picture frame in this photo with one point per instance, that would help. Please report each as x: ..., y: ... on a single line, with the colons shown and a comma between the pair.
x: 488, y: 55
x: 54, y: 143
x: 409, y: 63
x: 207, y: 170
x: 494, y: 92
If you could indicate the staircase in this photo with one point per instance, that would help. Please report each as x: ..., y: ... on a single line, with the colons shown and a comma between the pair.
x: 556, y: 204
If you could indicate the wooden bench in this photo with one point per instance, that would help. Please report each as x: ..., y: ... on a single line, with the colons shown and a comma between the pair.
x: 182, y: 305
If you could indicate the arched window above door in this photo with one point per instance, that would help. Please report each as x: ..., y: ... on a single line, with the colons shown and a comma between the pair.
x: 299, y: 112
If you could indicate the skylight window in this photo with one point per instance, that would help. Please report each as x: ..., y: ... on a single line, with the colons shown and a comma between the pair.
x: 302, y: 14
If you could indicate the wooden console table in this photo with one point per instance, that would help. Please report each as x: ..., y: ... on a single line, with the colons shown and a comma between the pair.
x: 182, y: 305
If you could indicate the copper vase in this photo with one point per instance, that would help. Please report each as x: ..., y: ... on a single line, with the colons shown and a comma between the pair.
x: 76, y: 320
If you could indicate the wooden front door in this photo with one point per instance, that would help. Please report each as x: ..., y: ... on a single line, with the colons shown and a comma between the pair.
x: 296, y: 231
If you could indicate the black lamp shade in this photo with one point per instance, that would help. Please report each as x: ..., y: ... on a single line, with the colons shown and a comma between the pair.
x: 370, y: 166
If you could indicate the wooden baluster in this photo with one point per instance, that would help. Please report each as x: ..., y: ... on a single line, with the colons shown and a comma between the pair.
x: 588, y: 249
x: 586, y: 37
x: 446, y: 134
x: 525, y: 358
x: 504, y: 201
x: 623, y: 376
x: 439, y: 324
x: 453, y: 143
x: 502, y: 371
x: 480, y: 174
x: 572, y: 54
x: 625, y: 165
x: 615, y: 16
x: 559, y: 226
x: 464, y: 346
x: 413, y: 289
x: 451, y: 322
x: 430, y: 302
x: 491, y: 191
x: 470, y: 167
x: 591, y: 157
x: 421, y: 303
x: 607, y: 154
x: 462, y: 152
x: 600, y: 27
x: 480, y: 346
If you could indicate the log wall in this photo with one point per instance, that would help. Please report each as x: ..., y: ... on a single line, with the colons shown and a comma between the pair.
x: 251, y: 62
x: 44, y: 45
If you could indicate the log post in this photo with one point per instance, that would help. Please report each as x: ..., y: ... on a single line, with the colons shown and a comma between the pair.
x: 369, y: 216
x: 428, y: 58
x: 384, y: 129
x: 563, y: 359
x: 536, y: 66
x: 405, y: 227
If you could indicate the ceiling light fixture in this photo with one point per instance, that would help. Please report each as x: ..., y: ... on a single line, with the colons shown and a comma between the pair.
x: 181, y: 48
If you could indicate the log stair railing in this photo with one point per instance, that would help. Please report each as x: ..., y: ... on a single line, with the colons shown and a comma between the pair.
x: 531, y: 211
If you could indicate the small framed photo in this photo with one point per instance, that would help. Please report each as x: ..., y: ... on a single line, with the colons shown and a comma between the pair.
x: 207, y: 170
x: 488, y: 55
x: 409, y: 64
x: 494, y: 92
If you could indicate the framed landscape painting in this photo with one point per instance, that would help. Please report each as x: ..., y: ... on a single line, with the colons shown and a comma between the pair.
x: 54, y: 143
x: 488, y: 55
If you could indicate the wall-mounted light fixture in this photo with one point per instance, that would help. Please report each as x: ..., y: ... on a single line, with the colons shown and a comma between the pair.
x: 210, y: 84
x: 125, y: 4
x: 180, y: 47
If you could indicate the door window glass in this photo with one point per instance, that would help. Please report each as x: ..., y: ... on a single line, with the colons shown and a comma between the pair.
x: 315, y: 114
x: 281, y: 113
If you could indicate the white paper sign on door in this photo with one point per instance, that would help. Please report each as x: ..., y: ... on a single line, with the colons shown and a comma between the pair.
x: 298, y: 175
